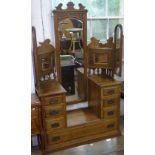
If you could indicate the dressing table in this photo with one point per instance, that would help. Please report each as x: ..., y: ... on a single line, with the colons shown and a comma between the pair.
x: 62, y: 127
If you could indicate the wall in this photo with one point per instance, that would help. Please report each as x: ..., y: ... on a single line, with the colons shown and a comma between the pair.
x: 42, y: 20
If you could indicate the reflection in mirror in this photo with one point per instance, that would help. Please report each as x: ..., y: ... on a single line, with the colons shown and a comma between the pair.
x: 45, y: 63
x: 71, y: 54
x: 70, y: 35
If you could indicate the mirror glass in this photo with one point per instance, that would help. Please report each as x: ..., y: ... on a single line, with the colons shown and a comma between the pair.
x: 71, y: 55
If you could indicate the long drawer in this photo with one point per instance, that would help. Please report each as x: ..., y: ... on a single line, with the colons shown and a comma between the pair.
x: 81, y: 131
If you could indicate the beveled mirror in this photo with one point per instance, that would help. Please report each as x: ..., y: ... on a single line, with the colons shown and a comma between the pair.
x: 70, y: 26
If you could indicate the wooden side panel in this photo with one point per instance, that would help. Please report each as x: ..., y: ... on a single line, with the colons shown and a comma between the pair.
x: 94, y: 98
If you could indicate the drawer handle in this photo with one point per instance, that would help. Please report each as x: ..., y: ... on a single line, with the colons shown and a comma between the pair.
x: 110, y: 113
x: 110, y: 92
x: 54, y: 112
x: 53, y: 101
x: 55, y: 139
x: 110, y: 126
x: 110, y: 101
x: 33, y: 109
x: 55, y: 125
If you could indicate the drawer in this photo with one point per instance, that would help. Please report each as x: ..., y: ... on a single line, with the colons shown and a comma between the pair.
x: 54, y: 100
x: 52, y: 111
x: 106, y: 91
x: 53, y: 124
x: 111, y: 125
x: 56, y: 137
x: 111, y: 101
x: 109, y: 112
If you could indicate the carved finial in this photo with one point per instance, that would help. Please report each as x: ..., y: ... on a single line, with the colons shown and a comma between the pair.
x: 46, y: 42
x: 70, y: 5
x: 94, y: 42
x: 110, y: 42
x: 45, y: 46
x: 59, y: 6
x: 81, y: 7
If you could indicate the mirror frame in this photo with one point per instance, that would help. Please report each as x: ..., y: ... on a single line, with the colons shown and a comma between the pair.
x: 61, y: 14
x: 118, y: 31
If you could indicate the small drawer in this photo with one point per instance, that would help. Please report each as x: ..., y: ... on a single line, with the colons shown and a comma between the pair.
x: 111, y: 101
x: 53, y: 100
x: 111, y: 90
x: 52, y: 124
x: 109, y: 112
x: 52, y: 111
x: 111, y: 125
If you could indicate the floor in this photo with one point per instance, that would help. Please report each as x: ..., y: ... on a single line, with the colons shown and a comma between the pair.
x: 113, y: 146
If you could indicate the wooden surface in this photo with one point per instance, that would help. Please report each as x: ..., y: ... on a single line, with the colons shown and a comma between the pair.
x: 79, y: 117
x: 53, y: 88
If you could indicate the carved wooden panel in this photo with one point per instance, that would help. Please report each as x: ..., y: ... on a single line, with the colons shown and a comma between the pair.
x: 100, y: 57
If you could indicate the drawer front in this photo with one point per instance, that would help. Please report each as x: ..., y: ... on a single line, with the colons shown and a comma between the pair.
x: 53, y: 124
x: 56, y: 138
x: 109, y: 112
x: 111, y: 125
x: 106, y: 91
x: 111, y: 101
x: 52, y: 111
x: 54, y: 100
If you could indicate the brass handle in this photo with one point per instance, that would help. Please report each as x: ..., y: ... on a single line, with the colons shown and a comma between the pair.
x: 53, y: 112
x: 33, y: 109
x: 110, y: 101
x: 55, y: 139
x: 53, y: 101
x: 110, y: 92
x: 110, y: 125
x: 110, y: 113
x: 55, y: 125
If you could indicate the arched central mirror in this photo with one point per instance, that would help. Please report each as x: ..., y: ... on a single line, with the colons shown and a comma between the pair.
x: 71, y: 38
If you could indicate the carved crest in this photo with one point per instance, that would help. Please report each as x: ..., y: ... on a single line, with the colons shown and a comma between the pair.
x: 70, y: 6
x: 45, y: 47
x: 94, y: 43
